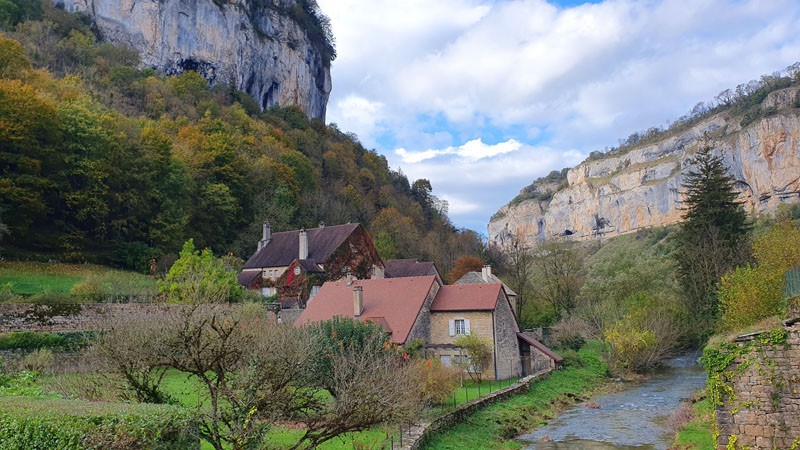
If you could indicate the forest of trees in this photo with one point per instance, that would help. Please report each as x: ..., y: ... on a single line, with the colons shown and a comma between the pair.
x: 103, y: 161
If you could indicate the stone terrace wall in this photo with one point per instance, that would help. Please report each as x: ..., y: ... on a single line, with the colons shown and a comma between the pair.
x: 68, y: 317
x: 764, y: 410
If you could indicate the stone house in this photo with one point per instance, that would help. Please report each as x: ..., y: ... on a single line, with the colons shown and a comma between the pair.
x: 401, y: 306
x: 294, y: 264
x: 412, y: 308
x: 480, y: 310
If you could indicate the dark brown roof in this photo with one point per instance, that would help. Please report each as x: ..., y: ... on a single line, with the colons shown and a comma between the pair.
x: 309, y: 266
x: 467, y: 297
x: 398, y: 268
x: 392, y: 303
x: 245, y: 278
x: 539, y: 346
x: 284, y: 247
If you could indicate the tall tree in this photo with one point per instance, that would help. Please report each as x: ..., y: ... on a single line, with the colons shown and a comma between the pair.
x: 713, y: 237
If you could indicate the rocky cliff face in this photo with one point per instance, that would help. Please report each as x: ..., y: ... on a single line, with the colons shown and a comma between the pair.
x: 252, y: 44
x: 641, y: 187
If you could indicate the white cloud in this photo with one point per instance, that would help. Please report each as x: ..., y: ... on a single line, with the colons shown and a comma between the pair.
x: 436, y: 80
x: 471, y: 151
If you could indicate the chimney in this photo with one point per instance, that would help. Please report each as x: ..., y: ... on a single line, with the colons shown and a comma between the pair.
x: 358, y: 300
x: 303, y: 244
x: 486, y: 274
x: 266, y: 235
x: 349, y: 277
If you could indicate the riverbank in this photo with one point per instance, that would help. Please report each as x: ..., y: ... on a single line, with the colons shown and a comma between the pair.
x: 494, y: 427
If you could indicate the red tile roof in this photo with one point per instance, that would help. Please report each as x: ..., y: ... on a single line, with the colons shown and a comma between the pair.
x: 467, y: 297
x: 393, y: 303
x: 284, y: 247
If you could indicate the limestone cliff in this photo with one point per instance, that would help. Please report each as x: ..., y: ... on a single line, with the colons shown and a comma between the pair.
x: 256, y: 45
x: 624, y: 191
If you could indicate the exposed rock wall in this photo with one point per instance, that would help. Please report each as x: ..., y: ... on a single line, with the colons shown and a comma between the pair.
x: 252, y: 44
x: 619, y: 194
x: 763, y: 408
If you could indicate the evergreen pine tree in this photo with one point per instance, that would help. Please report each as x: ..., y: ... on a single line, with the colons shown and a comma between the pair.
x: 713, y: 238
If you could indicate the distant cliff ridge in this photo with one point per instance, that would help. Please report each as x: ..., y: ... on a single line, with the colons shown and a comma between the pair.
x: 256, y: 45
x: 641, y: 187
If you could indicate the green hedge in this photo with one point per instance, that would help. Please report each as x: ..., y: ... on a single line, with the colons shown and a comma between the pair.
x: 30, y: 340
x: 36, y: 423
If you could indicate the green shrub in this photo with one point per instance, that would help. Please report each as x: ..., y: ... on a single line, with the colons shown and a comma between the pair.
x: 29, y: 340
x: 27, y: 423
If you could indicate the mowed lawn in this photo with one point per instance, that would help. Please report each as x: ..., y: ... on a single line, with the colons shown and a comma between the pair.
x: 32, y: 278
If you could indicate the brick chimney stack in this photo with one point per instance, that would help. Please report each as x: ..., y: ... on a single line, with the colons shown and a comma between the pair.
x: 358, y: 300
x: 303, y: 244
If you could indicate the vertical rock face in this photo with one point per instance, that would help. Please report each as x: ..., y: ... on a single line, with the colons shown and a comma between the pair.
x: 254, y: 45
x: 619, y: 194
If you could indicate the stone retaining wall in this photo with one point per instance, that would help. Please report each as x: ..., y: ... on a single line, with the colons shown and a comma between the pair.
x: 68, y: 317
x: 763, y: 411
x: 420, y: 434
x: 64, y: 317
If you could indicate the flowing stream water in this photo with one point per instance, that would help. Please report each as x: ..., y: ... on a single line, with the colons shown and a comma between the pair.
x: 629, y: 419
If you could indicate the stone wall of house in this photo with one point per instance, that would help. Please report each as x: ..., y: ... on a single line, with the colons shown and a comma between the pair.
x: 480, y: 325
x: 422, y: 326
x: 506, y: 342
x: 763, y: 411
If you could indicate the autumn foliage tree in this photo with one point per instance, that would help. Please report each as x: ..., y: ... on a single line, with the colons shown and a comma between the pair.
x: 462, y: 266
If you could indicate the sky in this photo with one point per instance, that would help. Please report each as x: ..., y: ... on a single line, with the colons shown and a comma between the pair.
x: 482, y: 97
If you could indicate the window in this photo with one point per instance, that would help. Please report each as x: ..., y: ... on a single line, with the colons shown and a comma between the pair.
x: 461, y: 327
x: 446, y: 360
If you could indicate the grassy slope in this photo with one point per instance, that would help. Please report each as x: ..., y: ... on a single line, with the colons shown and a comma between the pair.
x: 31, y: 278
x: 492, y: 427
x: 698, y: 434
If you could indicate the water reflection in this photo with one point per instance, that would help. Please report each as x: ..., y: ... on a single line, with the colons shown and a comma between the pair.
x: 624, y: 420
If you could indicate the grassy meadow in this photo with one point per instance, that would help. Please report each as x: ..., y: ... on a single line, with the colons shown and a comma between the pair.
x: 29, y: 281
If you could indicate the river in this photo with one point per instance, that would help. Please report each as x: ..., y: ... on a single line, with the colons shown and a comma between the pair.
x: 625, y: 420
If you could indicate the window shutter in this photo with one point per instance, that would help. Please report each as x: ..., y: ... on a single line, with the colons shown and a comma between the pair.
x: 452, y: 327
x: 466, y: 326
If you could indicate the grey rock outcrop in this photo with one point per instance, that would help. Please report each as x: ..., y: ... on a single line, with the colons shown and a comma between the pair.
x: 639, y: 188
x: 253, y: 44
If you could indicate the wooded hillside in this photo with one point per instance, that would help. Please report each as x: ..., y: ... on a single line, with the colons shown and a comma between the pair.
x: 102, y: 161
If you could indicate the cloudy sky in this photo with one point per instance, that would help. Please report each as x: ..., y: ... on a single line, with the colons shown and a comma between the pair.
x: 481, y: 97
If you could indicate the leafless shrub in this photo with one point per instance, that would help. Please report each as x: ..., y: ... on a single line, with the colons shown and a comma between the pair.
x: 682, y: 415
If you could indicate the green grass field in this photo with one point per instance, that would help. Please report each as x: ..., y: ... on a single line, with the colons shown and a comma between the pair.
x: 698, y: 434
x: 31, y: 278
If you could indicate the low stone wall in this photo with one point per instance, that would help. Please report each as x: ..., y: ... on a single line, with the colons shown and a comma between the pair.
x: 64, y: 317
x: 68, y: 317
x: 762, y: 409
x: 420, y: 434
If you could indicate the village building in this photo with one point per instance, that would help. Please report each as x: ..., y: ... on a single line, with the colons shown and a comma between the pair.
x: 421, y: 308
x: 401, y: 306
x: 401, y: 268
x: 293, y: 265
x: 486, y: 276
